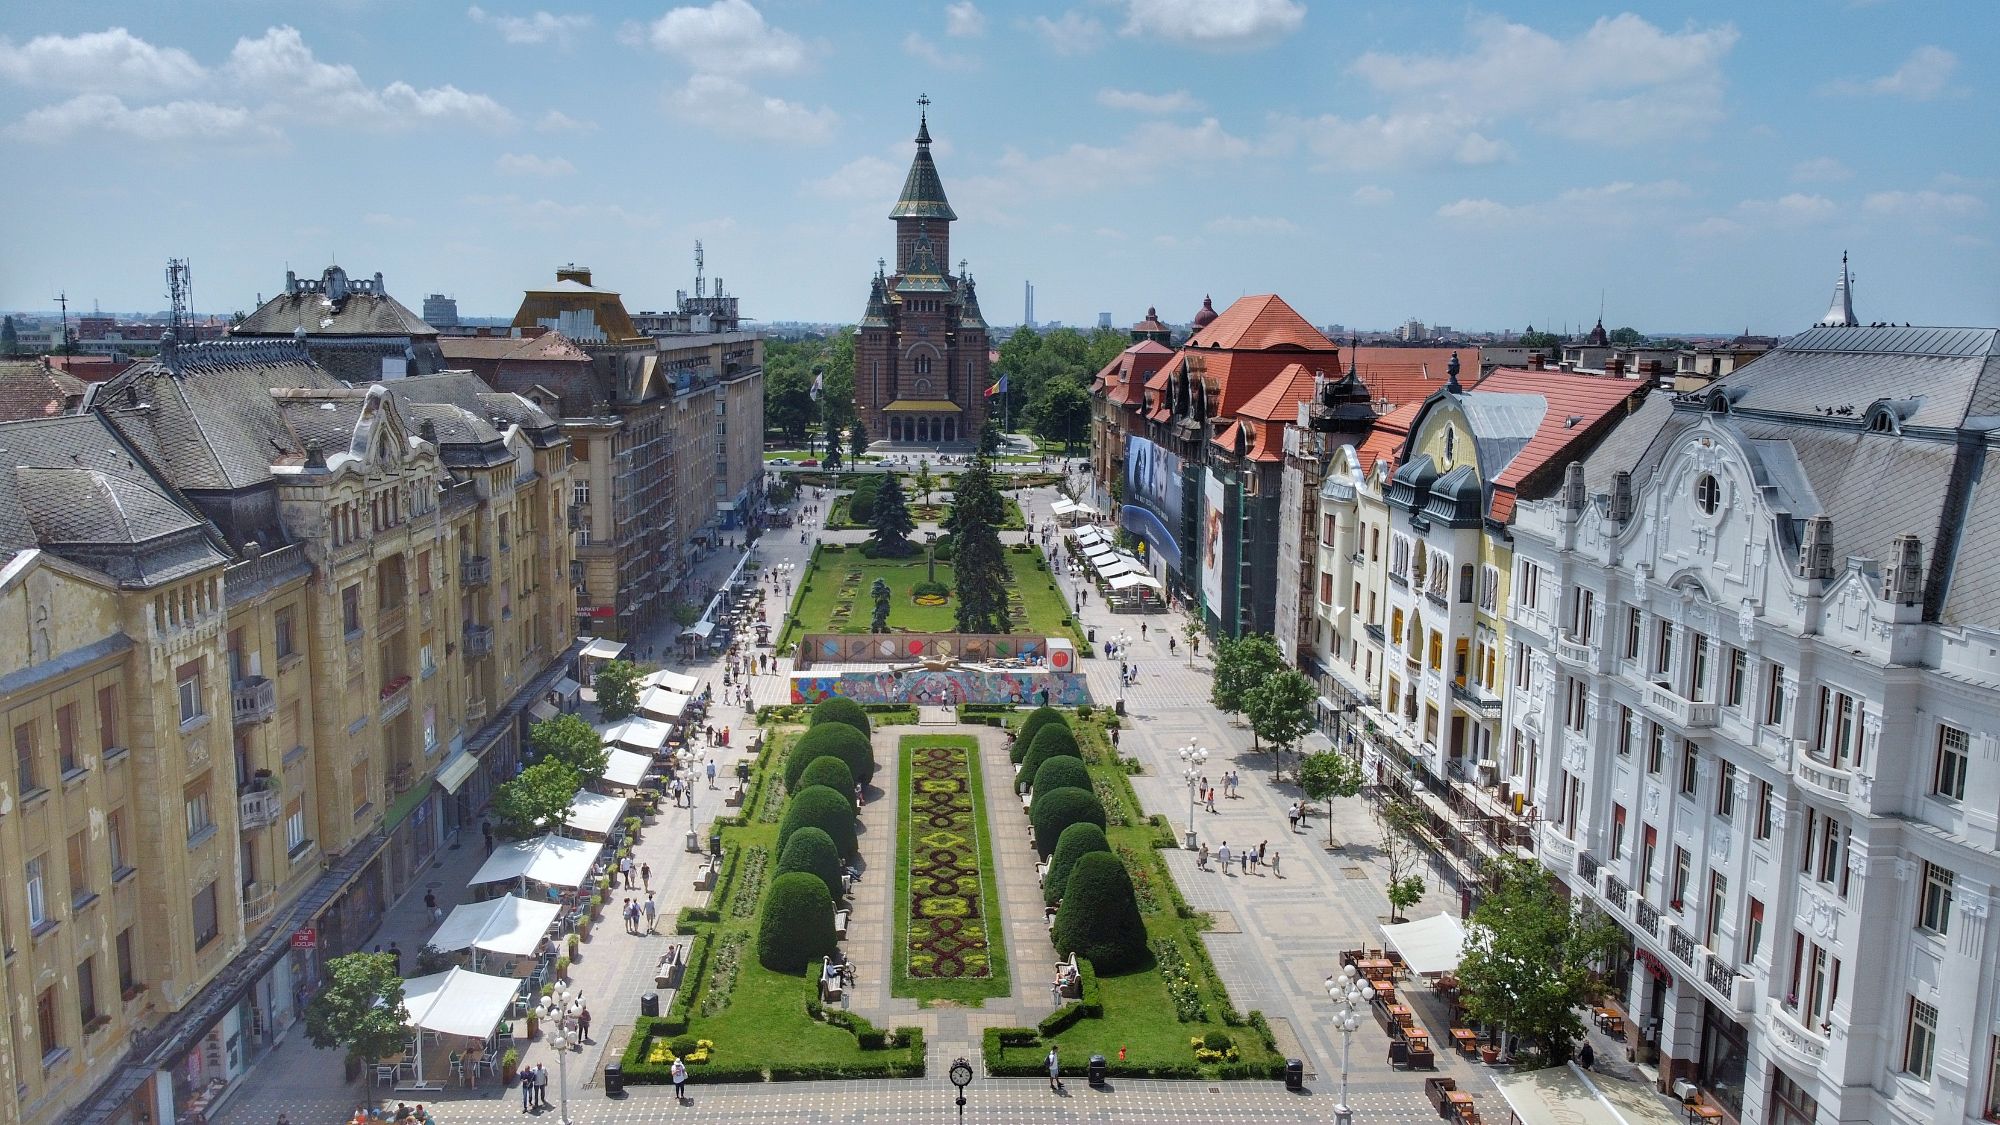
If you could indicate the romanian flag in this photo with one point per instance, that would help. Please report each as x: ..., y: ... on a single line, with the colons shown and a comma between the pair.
x: 999, y: 388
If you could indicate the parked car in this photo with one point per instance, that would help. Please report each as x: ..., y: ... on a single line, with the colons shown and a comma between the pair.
x: 810, y: 462
x: 781, y: 460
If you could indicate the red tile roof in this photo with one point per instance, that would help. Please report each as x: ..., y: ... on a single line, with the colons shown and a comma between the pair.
x: 1591, y: 400
x: 1123, y: 380
x: 1261, y: 323
x: 1399, y: 376
x: 1277, y: 406
x: 1385, y: 439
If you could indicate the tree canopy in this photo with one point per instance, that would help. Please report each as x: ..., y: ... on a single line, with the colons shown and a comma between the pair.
x: 361, y: 1008
x: 536, y: 800
x: 892, y: 521
x: 980, y: 575
x: 1527, y: 956
x: 1241, y: 663
x: 1326, y: 775
x: 617, y: 686
x: 1280, y: 709
x: 1061, y: 411
x: 569, y: 740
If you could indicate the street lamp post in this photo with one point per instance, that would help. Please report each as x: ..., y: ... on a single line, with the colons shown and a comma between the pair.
x: 1193, y: 756
x: 693, y: 839
x: 961, y: 1077
x: 930, y: 548
x: 1349, y: 998
x: 559, y: 1010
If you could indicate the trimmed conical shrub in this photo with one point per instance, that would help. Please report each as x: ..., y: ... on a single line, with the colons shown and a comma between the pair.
x: 837, y: 739
x: 811, y: 850
x: 829, y: 771
x: 1053, y: 740
x: 1062, y: 772
x: 1056, y: 810
x: 1099, y: 918
x: 1030, y: 727
x: 816, y: 806
x: 841, y: 709
x: 796, y: 926
x: 1077, y: 841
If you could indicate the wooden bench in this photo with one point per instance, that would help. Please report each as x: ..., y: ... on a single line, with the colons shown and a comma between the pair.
x: 1027, y: 799
x: 704, y: 875
x: 1041, y: 873
x: 840, y: 923
x: 735, y: 797
x: 829, y: 981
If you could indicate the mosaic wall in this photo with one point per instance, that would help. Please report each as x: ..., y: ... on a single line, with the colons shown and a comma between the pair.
x: 943, y: 689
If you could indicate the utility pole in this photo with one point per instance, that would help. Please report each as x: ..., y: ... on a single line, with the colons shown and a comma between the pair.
x: 62, y: 301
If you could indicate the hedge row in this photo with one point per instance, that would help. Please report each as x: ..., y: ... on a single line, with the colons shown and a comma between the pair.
x: 904, y: 1058
x: 680, y: 1012
x: 1090, y: 1006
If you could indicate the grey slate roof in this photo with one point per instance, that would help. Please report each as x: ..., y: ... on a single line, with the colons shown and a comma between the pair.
x: 1973, y: 594
x: 1953, y: 374
x: 1501, y: 425
x: 317, y: 314
x: 470, y: 393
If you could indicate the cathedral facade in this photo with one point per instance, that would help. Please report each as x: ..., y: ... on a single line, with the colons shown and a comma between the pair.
x: 921, y: 364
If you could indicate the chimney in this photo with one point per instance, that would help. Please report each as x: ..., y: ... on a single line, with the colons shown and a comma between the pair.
x: 1621, y: 496
x: 1573, y: 495
x: 1614, y: 367
x: 574, y: 272
x: 1905, y: 582
x: 1536, y: 362
x: 1816, y: 549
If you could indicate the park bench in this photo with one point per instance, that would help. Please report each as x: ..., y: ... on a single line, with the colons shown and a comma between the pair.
x: 829, y: 981
x: 735, y: 797
x: 840, y: 923
x: 704, y: 875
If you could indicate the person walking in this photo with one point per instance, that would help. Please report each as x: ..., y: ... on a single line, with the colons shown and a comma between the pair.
x: 528, y: 1090
x: 1256, y: 858
x: 486, y: 830
x: 583, y: 1024
x: 396, y: 951
x: 1055, y: 1072
x: 1211, y: 798
x: 431, y: 905
x: 711, y: 773
x: 1274, y: 864
x: 541, y: 1086
x: 1222, y: 853
x: 646, y: 875
x: 1243, y: 857
x: 680, y: 1076
x: 625, y: 870
x: 652, y: 914
x: 1201, y: 857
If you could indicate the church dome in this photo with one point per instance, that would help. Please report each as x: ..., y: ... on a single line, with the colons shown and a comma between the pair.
x: 1207, y: 314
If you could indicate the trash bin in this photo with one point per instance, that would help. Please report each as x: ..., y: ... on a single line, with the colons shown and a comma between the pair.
x: 649, y: 1004
x: 1090, y: 635
x: 1295, y: 1074
x: 743, y: 771
x: 1121, y: 707
x: 1097, y: 1070
x: 715, y: 844
x: 614, y: 1080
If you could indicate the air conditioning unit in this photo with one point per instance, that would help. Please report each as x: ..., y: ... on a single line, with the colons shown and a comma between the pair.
x: 1685, y: 1090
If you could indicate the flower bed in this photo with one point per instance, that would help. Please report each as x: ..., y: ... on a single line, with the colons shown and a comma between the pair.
x: 749, y: 884
x: 948, y: 928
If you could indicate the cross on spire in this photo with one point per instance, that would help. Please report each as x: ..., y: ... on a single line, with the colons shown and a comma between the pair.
x: 923, y: 119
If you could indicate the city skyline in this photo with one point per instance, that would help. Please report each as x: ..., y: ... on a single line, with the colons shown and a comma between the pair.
x: 1490, y: 170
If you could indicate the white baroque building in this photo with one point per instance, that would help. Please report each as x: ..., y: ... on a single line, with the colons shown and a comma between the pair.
x: 1759, y: 688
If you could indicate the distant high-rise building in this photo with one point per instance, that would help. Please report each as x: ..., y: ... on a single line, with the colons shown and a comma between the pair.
x: 1104, y: 320
x: 1028, y: 306
x: 1412, y: 329
x: 440, y: 311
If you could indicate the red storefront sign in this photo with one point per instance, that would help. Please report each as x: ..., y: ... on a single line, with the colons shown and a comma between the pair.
x: 307, y: 938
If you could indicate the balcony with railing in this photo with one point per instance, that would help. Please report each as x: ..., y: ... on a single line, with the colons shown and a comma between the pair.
x: 1681, y: 944
x: 1616, y: 893
x: 258, y: 806
x: 1587, y: 867
x: 474, y: 571
x: 1648, y: 918
x: 1678, y: 709
x: 1476, y: 698
x: 475, y: 710
x: 395, y: 697
x: 1374, y: 632
x: 478, y: 641
x: 1738, y: 988
x: 253, y: 699
x: 1576, y: 653
x: 1804, y: 1044
x: 258, y: 900
x: 1829, y: 781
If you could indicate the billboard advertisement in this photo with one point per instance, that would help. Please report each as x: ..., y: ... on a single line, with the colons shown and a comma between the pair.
x: 1153, y: 478
x: 1212, y: 544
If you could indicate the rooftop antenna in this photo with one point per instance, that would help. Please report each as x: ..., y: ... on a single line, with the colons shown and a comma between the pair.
x: 180, y: 290
x: 700, y: 286
x: 62, y: 301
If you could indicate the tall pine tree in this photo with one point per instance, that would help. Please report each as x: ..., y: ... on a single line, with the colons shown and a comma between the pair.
x: 979, y: 568
x: 893, y: 524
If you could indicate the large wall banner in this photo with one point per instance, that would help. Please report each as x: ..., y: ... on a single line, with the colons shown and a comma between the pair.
x: 1212, y: 544
x: 1153, y: 478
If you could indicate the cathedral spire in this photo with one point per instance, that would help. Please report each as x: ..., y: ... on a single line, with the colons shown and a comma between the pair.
x: 1840, y: 314
x: 923, y: 193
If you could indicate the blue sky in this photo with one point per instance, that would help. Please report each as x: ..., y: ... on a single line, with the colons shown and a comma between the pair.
x: 1699, y: 165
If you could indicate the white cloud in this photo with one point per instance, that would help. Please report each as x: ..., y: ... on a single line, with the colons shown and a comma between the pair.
x: 918, y: 46
x: 538, y: 27
x: 1372, y: 195
x: 112, y: 61
x: 1174, y: 101
x: 1821, y: 170
x: 1925, y: 75
x: 865, y: 179
x: 725, y: 105
x: 528, y: 164
x: 556, y: 121
x: 1715, y: 228
x: 1252, y: 225
x: 1616, y: 204
x: 279, y: 67
x: 1794, y: 209
x: 1622, y: 81
x: 549, y: 214
x: 964, y: 20
x: 1215, y: 23
x: 1083, y: 169
x: 1476, y: 210
x: 206, y: 122
x: 1071, y: 33
x: 1413, y: 139
x: 1925, y: 204
x: 727, y: 37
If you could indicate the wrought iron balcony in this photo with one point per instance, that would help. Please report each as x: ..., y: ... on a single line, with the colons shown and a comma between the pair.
x: 258, y: 808
x: 1648, y: 917
x: 1682, y: 712
x: 395, y: 696
x: 478, y: 641
x: 1616, y: 892
x: 1681, y: 944
x: 253, y: 699
x: 1487, y: 705
x: 1587, y: 867
x: 474, y: 571
x: 258, y: 900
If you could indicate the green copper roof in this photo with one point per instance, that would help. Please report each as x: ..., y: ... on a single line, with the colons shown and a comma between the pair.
x: 923, y: 193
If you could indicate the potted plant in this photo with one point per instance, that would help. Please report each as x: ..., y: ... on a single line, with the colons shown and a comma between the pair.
x: 534, y: 1028
x: 631, y: 830
x: 562, y: 968
x: 1489, y: 1054
x: 509, y: 1063
x: 573, y: 940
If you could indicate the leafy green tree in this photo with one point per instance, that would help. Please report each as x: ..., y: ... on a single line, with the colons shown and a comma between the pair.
x: 1280, y: 710
x: 1398, y: 822
x: 788, y: 405
x: 536, y: 800
x: 1061, y: 411
x: 857, y: 440
x: 796, y: 925
x: 1534, y: 339
x: 1326, y: 775
x: 1024, y: 736
x: 1527, y: 957
x: 1052, y: 812
x: 1242, y: 663
x: 10, y: 338
x: 816, y: 806
x: 811, y: 850
x: 980, y: 575
x: 1055, y: 740
x: 829, y: 771
x: 1403, y: 895
x: 1626, y: 337
x: 569, y: 740
x: 893, y: 524
x: 1076, y: 841
x: 840, y: 709
x: 617, y: 686
x: 361, y: 1008
x: 1060, y: 771
x: 989, y: 438
x: 838, y: 739
x: 1099, y: 917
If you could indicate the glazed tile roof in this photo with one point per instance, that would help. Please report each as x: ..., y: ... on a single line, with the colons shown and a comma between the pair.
x: 923, y: 192
x: 1260, y: 323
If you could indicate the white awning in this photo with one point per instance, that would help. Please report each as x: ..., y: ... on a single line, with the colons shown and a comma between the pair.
x: 675, y: 681
x: 1090, y: 533
x: 509, y: 924
x: 623, y: 767
x: 1568, y: 1096
x: 555, y: 860
x: 1429, y: 945
x: 542, y: 710
x: 567, y: 688
x: 638, y: 732
x: 601, y: 649
x: 1062, y: 507
x: 1098, y: 551
x: 1114, y: 566
x: 703, y: 628
x: 595, y: 812
x: 1083, y: 508
x: 456, y: 769
x: 458, y: 1002
x: 1127, y: 581
x: 664, y: 704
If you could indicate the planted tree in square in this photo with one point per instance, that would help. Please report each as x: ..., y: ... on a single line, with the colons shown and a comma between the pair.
x: 1241, y: 664
x: 1326, y: 775
x: 617, y: 686
x: 816, y: 806
x: 829, y: 771
x: 1077, y: 841
x: 1052, y: 741
x: 1280, y: 710
x: 796, y: 925
x: 811, y: 850
x: 1024, y: 737
x: 361, y: 1008
x: 1527, y: 956
x: 837, y: 739
x: 569, y: 740
x: 1061, y: 772
x: 536, y: 800
x: 1099, y: 918
x: 1057, y: 809
x: 840, y: 709
x: 979, y: 569
x: 892, y: 521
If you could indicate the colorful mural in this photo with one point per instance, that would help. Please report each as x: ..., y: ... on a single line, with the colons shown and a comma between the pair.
x: 944, y: 688
x: 861, y: 648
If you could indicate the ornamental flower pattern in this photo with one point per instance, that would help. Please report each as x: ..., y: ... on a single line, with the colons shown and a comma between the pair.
x: 947, y: 933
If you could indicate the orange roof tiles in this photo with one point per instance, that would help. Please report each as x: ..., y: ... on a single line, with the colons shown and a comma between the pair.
x: 1123, y: 380
x: 1399, y: 376
x: 1589, y: 399
x: 1261, y: 323
x: 1277, y: 404
x: 1386, y: 439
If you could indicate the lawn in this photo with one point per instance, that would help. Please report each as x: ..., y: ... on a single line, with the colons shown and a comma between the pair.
x: 834, y: 596
x: 839, y: 519
x: 1154, y: 1011
x: 948, y: 938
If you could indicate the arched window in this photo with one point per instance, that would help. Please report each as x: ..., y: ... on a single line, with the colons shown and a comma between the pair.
x: 923, y: 365
x: 1465, y: 582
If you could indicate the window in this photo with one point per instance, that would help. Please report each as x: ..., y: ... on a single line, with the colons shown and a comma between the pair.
x: 1649, y: 846
x: 1325, y: 588
x: 1934, y: 902
x: 1954, y: 750
x: 285, y: 626
x: 207, y: 920
x: 1920, y: 1040
x: 1489, y: 589
x: 1774, y: 693
x: 1762, y: 825
x: 1825, y: 845
x: 1790, y: 1104
x: 1374, y: 544
x: 1465, y: 583
x: 1576, y: 703
x: 47, y: 1029
x: 187, y: 684
x: 1822, y: 980
x: 1663, y: 649
x: 295, y: 824
x: 27, y: 777
x: 66, y: 759
x: 1396, y: 627
x: 579, y: 492
x: 79, y: 866
x: 1683, y: 871
x: 1725, y: 790
x: 1656, y: 747
x: 1735, y: 676
x: 1697, y: 668
x: 1707, y: 494
x: 1690, y: 769
x: 1617, y: 831
x: 350, y: 609
x: 38, y: 896
x: 359, y: 780
x: 128, y: 965
x: 1718, y: 897
x: 114, y: 839
x: 1528, y: 586
x: 1839, y: 713
x: 107, y: 719
x: 1436, y: 651
x: 199, y: 817
x: 1753, y: 933
x: 1634, y: 628
x: 86, y: 991
x: 1624, y: 731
